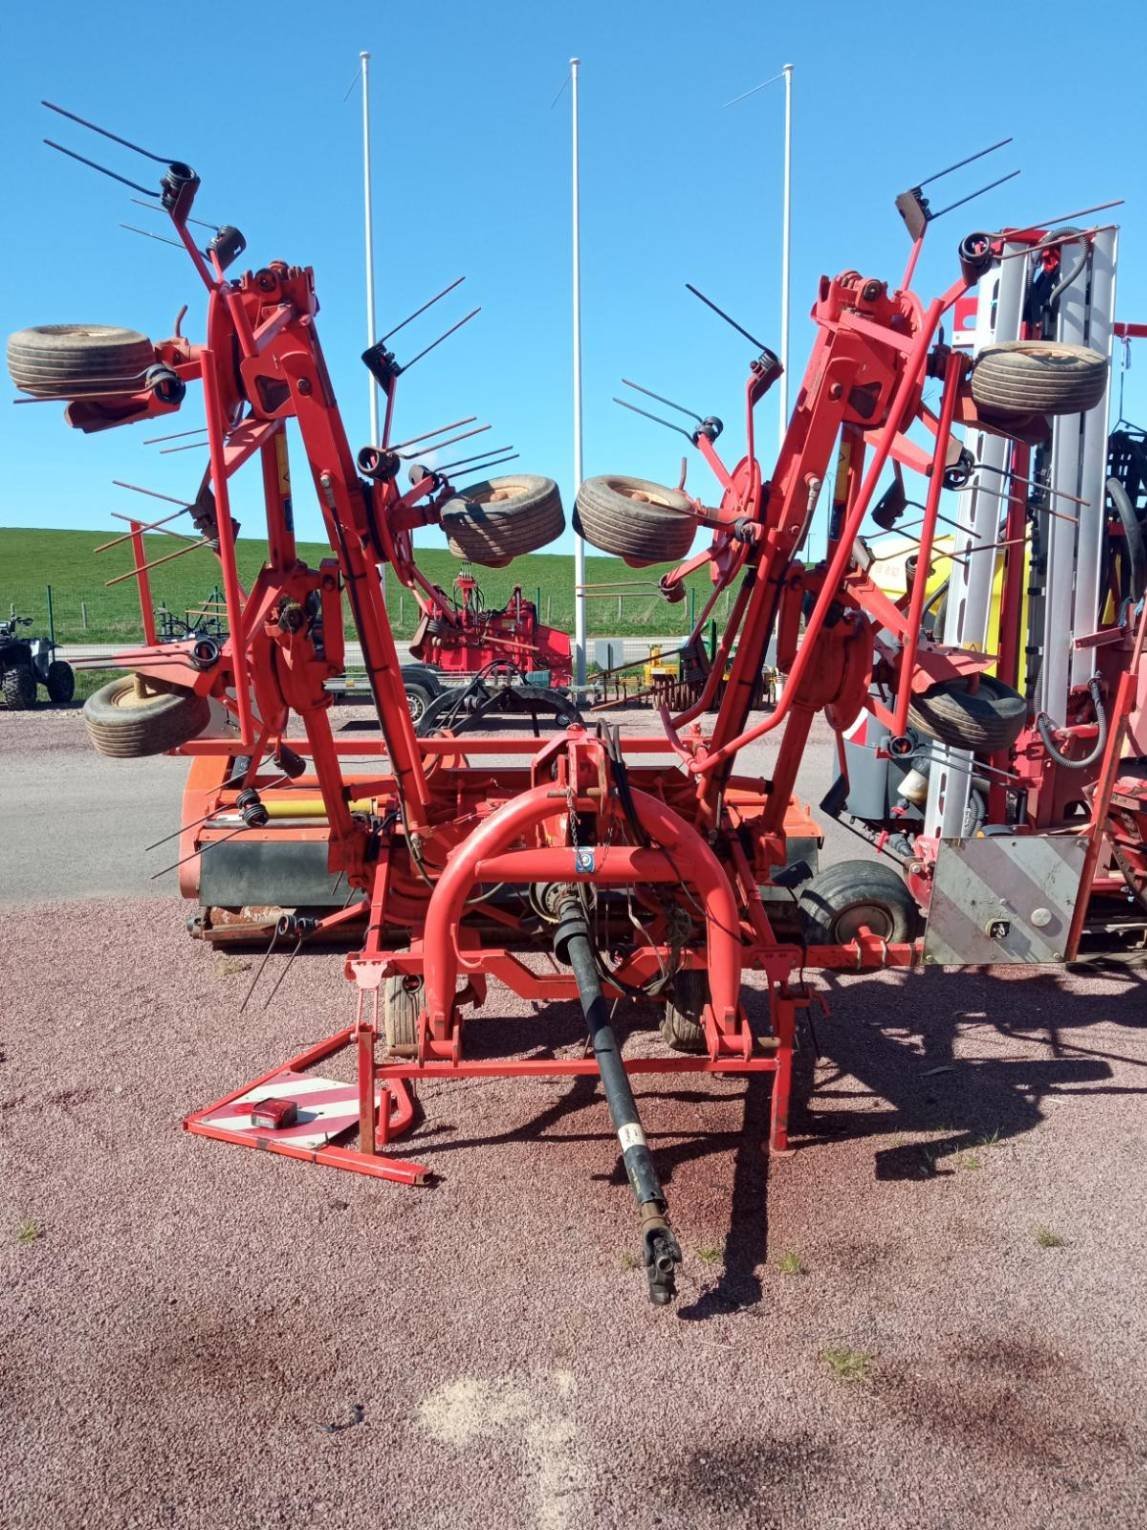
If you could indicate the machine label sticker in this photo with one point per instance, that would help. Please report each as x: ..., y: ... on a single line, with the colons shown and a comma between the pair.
x: 585, y: 858
x: 630, y: 1136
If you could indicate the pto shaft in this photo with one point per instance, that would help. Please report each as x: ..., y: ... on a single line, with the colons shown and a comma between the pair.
x: 660, y: 1250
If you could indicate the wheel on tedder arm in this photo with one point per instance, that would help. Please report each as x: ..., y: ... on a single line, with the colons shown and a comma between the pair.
x: 681, y: 1026
x: 73, y: 359
x: 984, y: 719
x: 133, y: 716
x: 495, y: 522
x: 638, y: 521
x: 839, y: 900
x: 19, y: 687
x: 1039, y: 377
x: 401, y: 1005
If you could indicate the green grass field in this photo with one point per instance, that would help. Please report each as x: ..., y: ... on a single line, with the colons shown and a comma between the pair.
x: 31, y: 560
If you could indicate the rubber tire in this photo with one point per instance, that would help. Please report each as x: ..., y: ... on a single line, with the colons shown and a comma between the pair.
x: 636, y: 520
x: 424, y: 674
x: 497, y: 521
x: 73, y: 359
x: 1133, y: 536
x: 401, y: 1007
x: 985, y: 720
x: 1039, y: 377
x: 19, y: 687
x: 161, y: 722
x: 830, y: 904
x: 419, y: 698
x: 681, y: 1026
x: 61, y: 682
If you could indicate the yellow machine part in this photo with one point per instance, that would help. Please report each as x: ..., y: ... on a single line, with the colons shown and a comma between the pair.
x: 889, y: 577
x: 310, y: 807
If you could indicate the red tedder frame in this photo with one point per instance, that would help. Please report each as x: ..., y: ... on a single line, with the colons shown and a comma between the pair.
x: 670, y: 842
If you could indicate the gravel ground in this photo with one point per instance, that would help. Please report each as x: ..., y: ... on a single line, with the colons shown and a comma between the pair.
x: 928, y: 1315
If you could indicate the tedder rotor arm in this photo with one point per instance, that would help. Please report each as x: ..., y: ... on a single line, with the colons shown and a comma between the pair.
x: 846, y: 358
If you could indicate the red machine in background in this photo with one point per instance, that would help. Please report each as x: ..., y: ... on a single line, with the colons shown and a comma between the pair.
x: 460, y: 635
x: 598, y: 865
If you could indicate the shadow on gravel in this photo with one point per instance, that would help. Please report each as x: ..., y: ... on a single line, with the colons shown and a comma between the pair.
x: 919, y: 1056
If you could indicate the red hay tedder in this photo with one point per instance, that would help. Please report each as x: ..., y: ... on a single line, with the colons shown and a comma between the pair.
x: 648, y: 867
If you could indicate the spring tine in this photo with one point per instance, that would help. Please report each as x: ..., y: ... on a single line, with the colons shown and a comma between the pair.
x: 160, y: 159
x: 960, y: 163
x: 190, y: 447
x: 939, y: 551
x: 453, y: 441
x: 445, y: 336
x: 214, y: 227
x: 202, y: 850
x: 286, y: 968
x: 982, y: 488
x: 175, y: 435
x: 1080, y: 212
x: 486, y: 466
x: 442, y: 429
x: 155, y: 562
x: 154, y: 493
x: 123, y: 180
x: 127, y: 535
x: 987, y: 467
x: 720, y: 312
x: 411, y: 317
x: 649, y: 394
x: 495, y: 451
x: 147, y: 234
x: 195, y: 822
x: 126, y: 389
x: 1050, y: 244
x: 669, y: 425
x: 991, y: 186
x: 259, y: 971
x: 159, y: 526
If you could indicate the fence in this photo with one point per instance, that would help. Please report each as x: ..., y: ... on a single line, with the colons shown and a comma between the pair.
x: 83, y: 610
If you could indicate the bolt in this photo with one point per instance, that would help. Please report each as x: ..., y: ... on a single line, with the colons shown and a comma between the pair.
x: 836, y: 390
x: 304, y: 384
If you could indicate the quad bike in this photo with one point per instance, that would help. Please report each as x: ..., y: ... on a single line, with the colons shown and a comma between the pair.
x: 26, y: 663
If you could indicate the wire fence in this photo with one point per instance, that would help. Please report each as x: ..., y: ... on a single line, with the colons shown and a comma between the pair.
x: 95, y: 615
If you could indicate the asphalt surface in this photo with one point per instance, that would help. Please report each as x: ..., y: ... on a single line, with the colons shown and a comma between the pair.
x: 930, y: 1314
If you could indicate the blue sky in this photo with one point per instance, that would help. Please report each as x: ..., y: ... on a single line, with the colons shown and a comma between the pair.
x: 472, y: 176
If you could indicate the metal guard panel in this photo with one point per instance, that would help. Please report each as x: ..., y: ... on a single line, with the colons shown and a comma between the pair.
x: 292, y: 874
x: 1003, y: 899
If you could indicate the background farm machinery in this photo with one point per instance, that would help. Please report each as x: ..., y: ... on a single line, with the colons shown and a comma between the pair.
x: 26, y: 663
x: 592, y: 863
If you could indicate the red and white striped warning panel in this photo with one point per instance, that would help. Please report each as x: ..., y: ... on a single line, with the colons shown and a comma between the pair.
x: 323, y: 1109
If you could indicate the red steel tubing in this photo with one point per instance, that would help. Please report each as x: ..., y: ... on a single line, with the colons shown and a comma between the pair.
x: 911, y: 640
x: 517, y: 817
x: 913, y: 369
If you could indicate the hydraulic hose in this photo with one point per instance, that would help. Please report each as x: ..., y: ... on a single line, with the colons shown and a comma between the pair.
x: 1043, y: 727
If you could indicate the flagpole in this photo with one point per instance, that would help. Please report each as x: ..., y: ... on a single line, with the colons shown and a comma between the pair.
x: 786, y: 249
x: 368, y: 226
x: 579, y: 543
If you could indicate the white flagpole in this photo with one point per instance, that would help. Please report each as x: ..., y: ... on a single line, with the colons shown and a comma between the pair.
x: 785, y: 74
x: 786, y: 248
x: 579, y: 544
x: 368, y: 225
